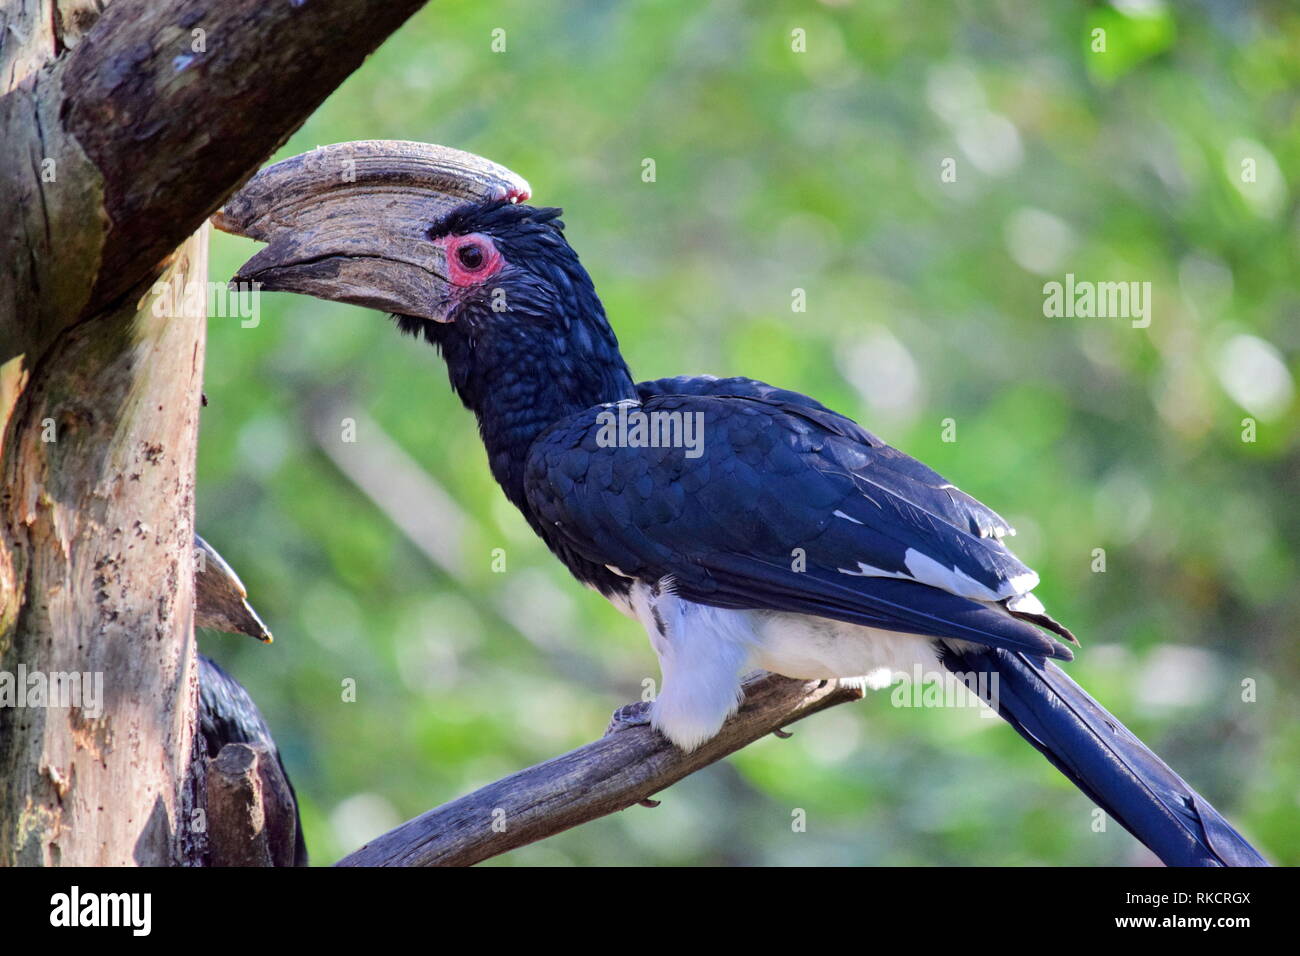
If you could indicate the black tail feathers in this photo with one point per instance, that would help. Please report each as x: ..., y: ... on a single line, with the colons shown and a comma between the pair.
x: 1102, y: 758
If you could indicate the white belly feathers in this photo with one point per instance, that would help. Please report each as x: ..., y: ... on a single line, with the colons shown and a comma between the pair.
x: 705, y: 651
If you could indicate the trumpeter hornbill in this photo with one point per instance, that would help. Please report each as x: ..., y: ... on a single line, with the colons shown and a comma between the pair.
x: 893, y: 566
x: 227, y: 714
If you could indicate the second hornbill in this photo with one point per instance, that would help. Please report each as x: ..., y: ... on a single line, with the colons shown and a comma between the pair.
x: 227, y: 714
x: 695, y: 539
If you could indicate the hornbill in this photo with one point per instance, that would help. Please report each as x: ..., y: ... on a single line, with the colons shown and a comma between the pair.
x: 790, y: 538
x: 227, y: 714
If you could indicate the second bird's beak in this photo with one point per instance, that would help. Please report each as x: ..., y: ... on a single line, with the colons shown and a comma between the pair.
x: 350, y: 222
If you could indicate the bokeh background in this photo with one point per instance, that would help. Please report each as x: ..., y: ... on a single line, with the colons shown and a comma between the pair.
x: 817, y: 170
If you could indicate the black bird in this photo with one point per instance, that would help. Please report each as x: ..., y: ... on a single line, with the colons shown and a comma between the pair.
x: 227, y: 714
x: 743, y: 525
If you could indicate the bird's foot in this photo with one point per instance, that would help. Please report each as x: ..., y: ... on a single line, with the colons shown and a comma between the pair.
x: 628, y: 716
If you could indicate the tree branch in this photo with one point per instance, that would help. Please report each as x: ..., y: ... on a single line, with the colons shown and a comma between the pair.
x: 605, y: 776
x: 160, y: 112
x: 250, y: 809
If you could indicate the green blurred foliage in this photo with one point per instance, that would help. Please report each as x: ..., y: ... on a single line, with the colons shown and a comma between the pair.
x: 819, y: 170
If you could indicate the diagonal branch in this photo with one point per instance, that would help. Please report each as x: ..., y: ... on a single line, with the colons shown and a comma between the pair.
x: 605, y: 776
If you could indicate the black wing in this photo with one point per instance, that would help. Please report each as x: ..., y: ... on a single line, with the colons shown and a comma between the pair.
x: 966, y: 513
x: 788, y: 506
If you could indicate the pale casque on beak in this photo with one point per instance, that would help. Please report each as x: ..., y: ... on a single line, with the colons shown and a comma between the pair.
x: 349, y: 222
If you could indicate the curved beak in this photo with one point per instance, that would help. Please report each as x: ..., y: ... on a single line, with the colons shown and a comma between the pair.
x: 220, y: 598
x: 350, y: 222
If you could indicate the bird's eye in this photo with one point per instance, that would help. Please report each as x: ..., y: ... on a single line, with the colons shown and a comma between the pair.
x: 471, y: 256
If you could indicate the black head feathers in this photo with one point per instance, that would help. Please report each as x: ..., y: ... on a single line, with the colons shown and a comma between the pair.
x: 502, y: 219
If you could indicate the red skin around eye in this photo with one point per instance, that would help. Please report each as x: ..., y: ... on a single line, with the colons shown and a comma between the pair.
x: 456, y: 270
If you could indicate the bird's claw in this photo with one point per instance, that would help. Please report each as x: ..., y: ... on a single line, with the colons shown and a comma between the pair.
x: 629, y: 716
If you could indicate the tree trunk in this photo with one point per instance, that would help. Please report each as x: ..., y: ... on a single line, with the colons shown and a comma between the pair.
x: 99, y: 502
x: 119, y: 135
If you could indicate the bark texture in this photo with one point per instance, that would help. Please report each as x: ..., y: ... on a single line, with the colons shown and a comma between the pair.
x: 99, y: 497
x: 122, y: 127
